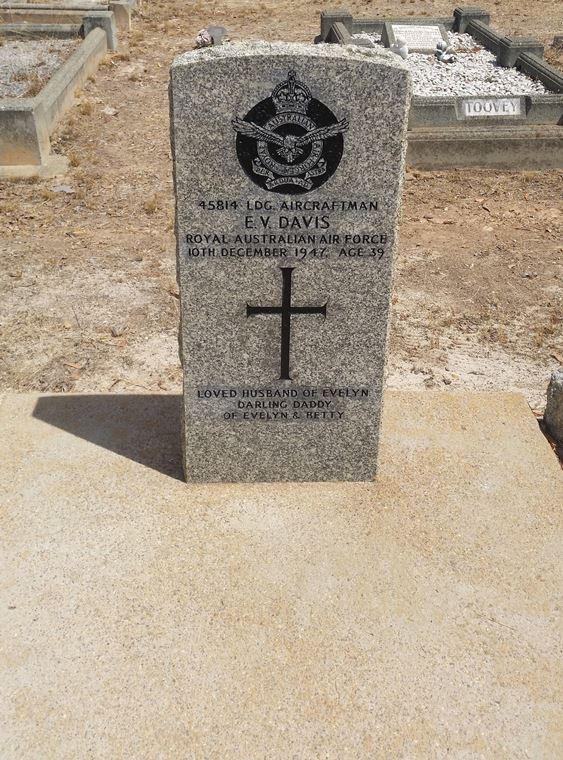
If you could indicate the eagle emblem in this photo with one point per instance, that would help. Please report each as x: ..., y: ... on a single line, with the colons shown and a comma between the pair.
x: 290, y: 142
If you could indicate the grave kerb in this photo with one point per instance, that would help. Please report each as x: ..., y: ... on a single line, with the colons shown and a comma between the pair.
x: 26, y: 123
x: 542, y: 112
x: 463, y: 15
x: 511, y: 48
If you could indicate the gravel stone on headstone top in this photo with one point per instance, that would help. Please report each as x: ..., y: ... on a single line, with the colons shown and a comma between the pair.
x: 217, y: 34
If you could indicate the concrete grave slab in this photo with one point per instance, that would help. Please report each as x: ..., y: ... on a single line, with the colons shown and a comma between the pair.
x: 40, y: 31
x: 412, y: 617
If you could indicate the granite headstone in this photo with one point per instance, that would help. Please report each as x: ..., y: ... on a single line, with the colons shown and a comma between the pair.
x: 288, y: 163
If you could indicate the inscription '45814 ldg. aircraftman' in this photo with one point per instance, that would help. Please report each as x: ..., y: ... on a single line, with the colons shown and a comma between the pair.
x: 290, y: 142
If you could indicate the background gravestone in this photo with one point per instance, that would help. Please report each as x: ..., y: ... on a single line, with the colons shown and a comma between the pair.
x: 288, y: 162
x: 419, y: 38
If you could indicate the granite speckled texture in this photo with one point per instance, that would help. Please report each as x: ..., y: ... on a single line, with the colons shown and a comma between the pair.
x: 326, y: 425
x: 414, y: 617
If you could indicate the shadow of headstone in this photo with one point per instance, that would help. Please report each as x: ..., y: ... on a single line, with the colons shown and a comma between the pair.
x: 143, y: 428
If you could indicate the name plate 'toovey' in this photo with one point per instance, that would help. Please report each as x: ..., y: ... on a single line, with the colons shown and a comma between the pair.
x: 486, y: 107
x: 288, y: 176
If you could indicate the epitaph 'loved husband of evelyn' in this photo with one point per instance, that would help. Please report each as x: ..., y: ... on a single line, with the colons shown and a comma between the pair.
x: 288, y: 163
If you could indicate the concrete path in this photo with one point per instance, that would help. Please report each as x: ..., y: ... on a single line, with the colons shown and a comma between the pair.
x: 415, y: 617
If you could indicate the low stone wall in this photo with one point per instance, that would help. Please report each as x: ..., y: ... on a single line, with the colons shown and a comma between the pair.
x: 24, y: 138
x: 87, y: 20
x: 537, y: 68
x: 59, y: 93
x: 26, y: 123
x: 36, y: 31
x: 55, y: 12
x: 510, y: 148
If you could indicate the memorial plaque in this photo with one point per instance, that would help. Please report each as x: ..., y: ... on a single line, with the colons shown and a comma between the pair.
x: 487, y: 107
x: 288, y: 174
x: 419, y: 38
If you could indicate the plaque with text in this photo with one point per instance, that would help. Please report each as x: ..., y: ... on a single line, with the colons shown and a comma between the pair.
x: 287, y: 194
x: 420, y: 38
x: 487, y: 107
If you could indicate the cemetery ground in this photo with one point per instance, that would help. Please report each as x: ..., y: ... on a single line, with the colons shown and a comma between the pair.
x: 90, y: 301
x: 163, y: 601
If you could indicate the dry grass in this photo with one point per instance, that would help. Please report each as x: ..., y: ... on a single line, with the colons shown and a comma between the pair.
x: 151, y: 205
x: 35, y: 86
x: 86, y: 108
x: 86, y: 179
x: 8, y: 207
x: 32, y: 79
x: 544, y: 334
x: 530, y: 176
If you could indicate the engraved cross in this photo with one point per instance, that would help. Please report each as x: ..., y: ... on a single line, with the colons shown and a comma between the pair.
x: 286, y: 310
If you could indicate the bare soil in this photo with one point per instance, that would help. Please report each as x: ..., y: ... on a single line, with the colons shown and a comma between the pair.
x: 89, y: 298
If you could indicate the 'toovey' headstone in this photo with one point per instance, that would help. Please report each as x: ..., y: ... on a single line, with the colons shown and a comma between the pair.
x: 288, y: 162
x: 419, y: 38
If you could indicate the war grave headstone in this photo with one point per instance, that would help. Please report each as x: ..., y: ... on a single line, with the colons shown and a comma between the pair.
x: 287, y: 195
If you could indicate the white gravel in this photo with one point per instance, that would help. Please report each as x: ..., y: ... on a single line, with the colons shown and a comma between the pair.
x: 474, y: 72
x: 23, y: 61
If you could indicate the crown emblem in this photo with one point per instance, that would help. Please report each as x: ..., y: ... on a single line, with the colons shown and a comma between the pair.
x: 291, y: 95
x: 284, y: 148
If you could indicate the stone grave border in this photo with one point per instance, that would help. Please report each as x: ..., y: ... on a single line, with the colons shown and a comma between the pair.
x: 440, y: 136
x: 55, y: 12
x: 27, y: 123
x: 39, y: 24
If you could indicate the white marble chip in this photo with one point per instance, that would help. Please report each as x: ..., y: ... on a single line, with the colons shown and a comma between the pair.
x: 475, y: 72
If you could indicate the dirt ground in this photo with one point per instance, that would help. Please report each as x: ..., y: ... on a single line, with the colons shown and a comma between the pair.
x: 89, y: 298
